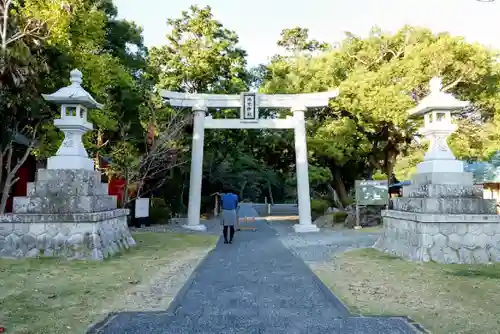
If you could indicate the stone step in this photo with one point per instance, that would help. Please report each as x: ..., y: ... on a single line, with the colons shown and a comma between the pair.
x: 30, y: 189
x: 442, y: 190
x: 64, y: 204
x: 464, y: 179
x: 445, y: 205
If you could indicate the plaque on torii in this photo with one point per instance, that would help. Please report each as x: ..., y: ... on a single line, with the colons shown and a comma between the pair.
x: 249, y: 107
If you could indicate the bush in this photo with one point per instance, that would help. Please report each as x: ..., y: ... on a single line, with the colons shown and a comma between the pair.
x: 159, y: 212
x: 319, y: 206
x: 339, y: 216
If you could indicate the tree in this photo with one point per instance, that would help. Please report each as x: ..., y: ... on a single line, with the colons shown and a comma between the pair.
x: 296, y: 40
x: 21, y: 38
x: 380, y: 78
x: 45, y: 40
x: 145, y: 173
x: 201, y: 56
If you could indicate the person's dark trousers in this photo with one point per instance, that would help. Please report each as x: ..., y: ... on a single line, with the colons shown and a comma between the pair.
x: 231, y: 233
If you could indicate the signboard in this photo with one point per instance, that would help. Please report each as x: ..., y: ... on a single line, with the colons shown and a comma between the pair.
x: 372, y: 192
x: 142, y: 208
x: 249, y: 106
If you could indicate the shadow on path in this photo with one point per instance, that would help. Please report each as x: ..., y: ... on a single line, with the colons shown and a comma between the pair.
x: 255, y: 285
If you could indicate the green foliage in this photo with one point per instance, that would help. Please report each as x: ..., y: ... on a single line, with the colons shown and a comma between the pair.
x: 159, y: 212
x: 406, y: 165
x: 319, y: 206
x: 297, y: 40
x: 339, y: 216
x: 379, y: 176
x: 200, y: 56
x: 366, y: 128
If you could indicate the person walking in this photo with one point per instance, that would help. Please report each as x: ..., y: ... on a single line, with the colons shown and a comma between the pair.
x: 229, y: 217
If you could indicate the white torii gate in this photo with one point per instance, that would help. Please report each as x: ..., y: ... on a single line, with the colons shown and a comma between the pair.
x: 249, y: 104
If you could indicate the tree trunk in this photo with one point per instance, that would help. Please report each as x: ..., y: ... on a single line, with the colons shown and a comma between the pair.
x: 125, y: 194
x: 269, y: 188
x: 10, y: 174
x: 339, y: 186
x: 335, y: 196
x: 389, y: 164
x: 242, y: 189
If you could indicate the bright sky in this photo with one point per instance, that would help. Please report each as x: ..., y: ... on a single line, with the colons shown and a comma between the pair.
x: 259, y: 22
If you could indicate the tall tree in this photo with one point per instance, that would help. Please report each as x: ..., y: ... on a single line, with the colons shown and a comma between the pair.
x: 380, y: 78
x: 201, y: 56
x: 296, y: 40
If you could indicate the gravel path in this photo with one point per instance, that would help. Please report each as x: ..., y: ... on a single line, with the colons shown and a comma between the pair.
x: 320, y: 247
x: 256, y: 285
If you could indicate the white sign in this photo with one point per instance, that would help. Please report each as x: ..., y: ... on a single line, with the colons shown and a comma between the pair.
x: 142, y: 208
x: 249, y: 107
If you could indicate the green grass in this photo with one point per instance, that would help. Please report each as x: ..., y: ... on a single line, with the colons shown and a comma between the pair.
x: 49, y: 295
x: 444, y: 298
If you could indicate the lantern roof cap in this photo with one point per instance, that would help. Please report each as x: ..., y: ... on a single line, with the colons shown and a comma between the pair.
x: 437, y: 100
x: 74, y: 93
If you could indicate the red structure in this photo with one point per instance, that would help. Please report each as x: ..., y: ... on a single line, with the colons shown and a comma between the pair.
x: 25, y: 174
x: 116, y: 188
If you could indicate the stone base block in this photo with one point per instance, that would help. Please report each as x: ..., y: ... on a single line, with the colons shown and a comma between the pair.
x: 468, y: 239
x: 30, y: 189
x: 81, y: 182
x: 436, y: 166
x: 91, y: 236
x: 463, y: 178
x: 305, y: 228
x: 64, y: 204
x: 70, y: 163
x: 442, y: 190
x: 445, y: 205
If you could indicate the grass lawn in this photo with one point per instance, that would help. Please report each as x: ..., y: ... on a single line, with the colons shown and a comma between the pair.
x: 58, y: 296
x: 443, y: 298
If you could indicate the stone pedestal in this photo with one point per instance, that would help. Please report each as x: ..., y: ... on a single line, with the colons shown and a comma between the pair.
x: 443, y: 218
x: 67, y: 213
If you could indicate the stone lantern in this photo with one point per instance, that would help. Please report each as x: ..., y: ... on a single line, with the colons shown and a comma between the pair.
x: 67, y: 211
x: 437, y: 109
x: 442, y: 215
x: 75, y: 102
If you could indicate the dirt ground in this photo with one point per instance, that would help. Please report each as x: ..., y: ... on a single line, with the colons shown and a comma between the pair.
x: 443, y: 298
x: 43, y: 296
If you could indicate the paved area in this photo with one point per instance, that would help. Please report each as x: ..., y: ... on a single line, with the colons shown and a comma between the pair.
x: 320, y: 247
x: 255, y: 285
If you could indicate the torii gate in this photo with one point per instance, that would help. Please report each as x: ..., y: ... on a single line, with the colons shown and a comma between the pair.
x: 249, y: 104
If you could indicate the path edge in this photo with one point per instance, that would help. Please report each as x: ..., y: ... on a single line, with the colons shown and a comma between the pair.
x: 339, y: 305
x: 96, y: 327
x: 176, y: 302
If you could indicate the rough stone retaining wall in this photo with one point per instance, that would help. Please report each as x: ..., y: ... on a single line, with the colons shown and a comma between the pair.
x: 466, y: 239
x: 75, y: 236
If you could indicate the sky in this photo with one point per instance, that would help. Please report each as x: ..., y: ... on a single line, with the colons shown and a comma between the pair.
x: 259, y: 23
